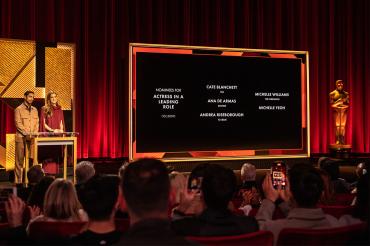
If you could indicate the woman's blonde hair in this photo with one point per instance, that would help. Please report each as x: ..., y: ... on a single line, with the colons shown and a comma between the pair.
x: 61, y: 200
x: 48, y: 108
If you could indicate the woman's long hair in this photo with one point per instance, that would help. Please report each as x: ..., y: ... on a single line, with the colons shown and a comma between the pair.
x: 48, y: 108
x: 61, y: 200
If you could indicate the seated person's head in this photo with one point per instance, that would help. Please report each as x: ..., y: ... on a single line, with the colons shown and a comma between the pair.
x: 84, y: 171
x: 196, y: 175
x: 218, y: 186
x: 146, y: 188
x: 362, y: 168
x: 61, y: 200
x: 248, y: 172
x: 331, y: 166
x: 38, y: 192
x: 35, y: 174
x: 99, y: 197
x: 306, y: 185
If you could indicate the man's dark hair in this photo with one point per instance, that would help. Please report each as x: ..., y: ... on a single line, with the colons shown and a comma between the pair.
x: 28, y: 92
x: 218, y: 186
x: 99, y: 195
x: 331, y: 166
x: 197, y: 172
x: 146, y: 186
x: 35, y: 174
x: 38, y: 192
x: 306, y: 185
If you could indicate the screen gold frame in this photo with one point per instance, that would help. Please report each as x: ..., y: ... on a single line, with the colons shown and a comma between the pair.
x: 223, y: 49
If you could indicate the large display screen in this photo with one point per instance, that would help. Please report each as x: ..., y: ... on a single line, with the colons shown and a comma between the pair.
x: 211, y: 103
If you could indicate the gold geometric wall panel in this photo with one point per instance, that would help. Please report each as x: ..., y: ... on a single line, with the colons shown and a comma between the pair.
x: 25, y: 81
x: 10, y: 152
x: 2, y: 154
x: 18, y: 71
x: 13, y: 56
x: 58, y: 72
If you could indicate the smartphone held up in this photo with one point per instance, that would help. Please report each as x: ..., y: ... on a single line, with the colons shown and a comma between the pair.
x: 278, y: 174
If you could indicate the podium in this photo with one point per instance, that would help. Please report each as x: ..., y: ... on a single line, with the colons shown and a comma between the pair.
x: 50, y: 139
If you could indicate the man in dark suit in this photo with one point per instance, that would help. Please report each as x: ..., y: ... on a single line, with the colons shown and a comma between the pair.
x: 218, y: 187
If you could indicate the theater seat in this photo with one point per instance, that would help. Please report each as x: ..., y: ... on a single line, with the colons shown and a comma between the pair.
x: 3, y: 216
x: 344, y: 199
x: 254, y: 238
x: 122, y: 225
x: 45, y: 230
x: 4, y: 234
x: 337, y: 210
x: 331, y: 236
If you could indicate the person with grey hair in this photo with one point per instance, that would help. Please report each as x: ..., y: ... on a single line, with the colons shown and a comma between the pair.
x: 248, y: 192
x: 84, y: 171
x: 248, y: 172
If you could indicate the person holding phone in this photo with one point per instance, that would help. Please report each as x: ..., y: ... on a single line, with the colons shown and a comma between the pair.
x: 303, y: 191
x: 217, y: 189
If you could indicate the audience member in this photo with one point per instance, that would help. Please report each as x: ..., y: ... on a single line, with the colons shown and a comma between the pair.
x: 61, y: 204
x: 218, y: 187
x: 146, y: 189
x: 178, y: 183
x: 328, y: 194
x: 122, y: 168
x: 248, y: 175
x: 361, y: 169
x: 361, y: 204
x: 361, y: 211
x: 16, y: 233
x: 34, y: 175
x: 84, y: 171
x: 304, y: 189
x: 248, y: 190
x: 197, y: 175
x: 331, y: 166
x: 38, y: 192
x: 122, y: 208
x: 100, y: 201
x: 190, y: 199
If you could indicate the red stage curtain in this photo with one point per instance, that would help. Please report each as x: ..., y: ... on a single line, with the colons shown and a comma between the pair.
x: 335, y: 32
